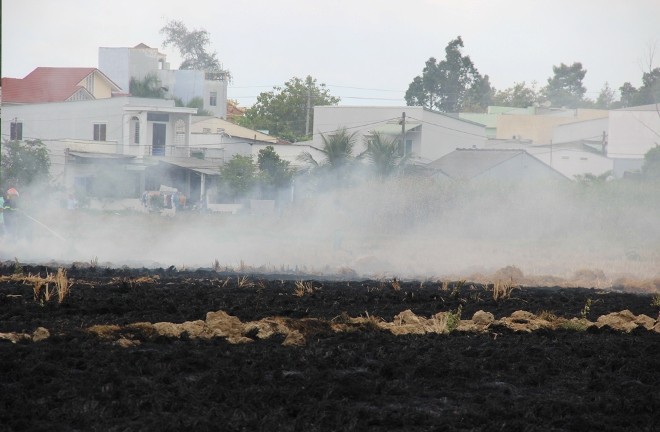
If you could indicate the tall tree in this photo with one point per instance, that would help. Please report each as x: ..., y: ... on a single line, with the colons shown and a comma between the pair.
x: 288, y: 112
x: 628, y: 95
x: 648, y: 93
x: 651, y: 166
x: 519, y: 96
x: 565, y: 86
x: 385, y: 154
x: 24, y: 163
x: 605, y: 98
x: 192, y: 45
x: 239, y: 176
x: 450, y: 85
x: 275, y: 173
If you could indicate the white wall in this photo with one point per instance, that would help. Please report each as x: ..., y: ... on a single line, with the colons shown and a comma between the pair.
x: 633, y: 132
x: 188, y: 84
x: 572, y: 162
x: 122, y: 63
x: 437, y: 136
x: 589, y: 130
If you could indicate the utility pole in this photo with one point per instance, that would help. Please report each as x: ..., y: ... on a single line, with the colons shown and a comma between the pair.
x: 309, y: 103
x: 403, y: 133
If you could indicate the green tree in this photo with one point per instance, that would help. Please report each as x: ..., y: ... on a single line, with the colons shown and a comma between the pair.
x: 275, y: 173
x: 384, y: 154
x: 651, y: 166
x: 288, y: 112
x: 519, y: 96
x: 239, y: 176
x: 24, y: 163
x: 565, y: 86
x: 192, y: 46
x: 648, y: 93
x: 148, y: 87
x: 451, y: 85
x: 605, y: 98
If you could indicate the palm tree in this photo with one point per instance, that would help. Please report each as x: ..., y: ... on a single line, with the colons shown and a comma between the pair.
x: 337, y: 149
x: 148, y: 87
x: 384, y: 154
x: 338, y: 152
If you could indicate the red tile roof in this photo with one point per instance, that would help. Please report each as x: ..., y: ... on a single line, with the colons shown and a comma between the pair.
x: 45, y: 84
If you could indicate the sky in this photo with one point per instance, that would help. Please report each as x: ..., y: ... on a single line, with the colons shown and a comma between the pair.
x: 367, y: 52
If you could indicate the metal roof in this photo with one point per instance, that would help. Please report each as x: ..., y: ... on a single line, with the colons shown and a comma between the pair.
x: 199, y: 165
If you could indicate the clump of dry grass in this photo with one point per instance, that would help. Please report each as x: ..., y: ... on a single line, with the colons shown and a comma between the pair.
x: 502, y: 290
x: 62, y: 284
x: 244, y: 282
x: 395, y: 284
x: 41, y: 286
x: 302, y: 288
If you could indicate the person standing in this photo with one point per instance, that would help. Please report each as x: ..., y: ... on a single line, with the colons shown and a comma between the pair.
x: 10, y: 215
x: 2, y: 219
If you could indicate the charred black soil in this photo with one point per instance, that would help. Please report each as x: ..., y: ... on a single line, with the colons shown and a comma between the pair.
x: 367, y: 378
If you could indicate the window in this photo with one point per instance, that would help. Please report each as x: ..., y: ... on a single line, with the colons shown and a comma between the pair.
x: 16, y: 131
x: 214, y: 99
x: 180, y: 133
x: 99, y: 131
x: 136, y: 132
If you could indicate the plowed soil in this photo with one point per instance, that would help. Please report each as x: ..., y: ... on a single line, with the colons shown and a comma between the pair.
x: 168, y: 350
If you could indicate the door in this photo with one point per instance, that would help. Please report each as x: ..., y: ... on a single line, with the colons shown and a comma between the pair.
x: 158, y: 141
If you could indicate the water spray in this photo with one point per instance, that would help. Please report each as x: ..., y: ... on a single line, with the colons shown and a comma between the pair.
x: 43, y: 225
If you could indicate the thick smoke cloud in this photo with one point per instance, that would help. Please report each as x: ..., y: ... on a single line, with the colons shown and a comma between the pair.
x: 407, y: 228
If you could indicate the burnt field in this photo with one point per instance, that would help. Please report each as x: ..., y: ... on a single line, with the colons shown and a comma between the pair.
x: 127, y: 349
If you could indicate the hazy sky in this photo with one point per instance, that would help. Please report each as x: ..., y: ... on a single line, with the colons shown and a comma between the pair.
x: 366, y: 51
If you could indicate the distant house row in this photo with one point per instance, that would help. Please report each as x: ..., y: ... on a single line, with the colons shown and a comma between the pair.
x: 105, y: 141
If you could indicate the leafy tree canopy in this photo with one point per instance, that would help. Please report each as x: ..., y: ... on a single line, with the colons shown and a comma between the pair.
x: 148, y: 87
x: 385, y: 154
x: 288, y: 112
x: 275, y: 173
x: 338, y: 160
x: 451, y: 85
x: 648, y: 93
x: 606, y: 99
x: 651, y: 167
x: 24, y: 163
x: 565, y: 86
x: 239, y: 176
x: 520, y: 96
x: 192, y: 45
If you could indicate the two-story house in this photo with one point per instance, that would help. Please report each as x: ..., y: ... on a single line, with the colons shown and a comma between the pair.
x: 105, y: 146
x: 124, y: 63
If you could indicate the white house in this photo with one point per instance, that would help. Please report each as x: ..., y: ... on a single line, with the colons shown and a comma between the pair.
x: 124, y: 134
x: 633, y: 132
x: 489, y: 165
x: 123, y: 63
x: 429, y: 135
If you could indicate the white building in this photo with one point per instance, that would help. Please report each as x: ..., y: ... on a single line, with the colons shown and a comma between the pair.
x: 632, y: 133
x: 122, y: 64
x: 429, y: 135
x: 91, y: 141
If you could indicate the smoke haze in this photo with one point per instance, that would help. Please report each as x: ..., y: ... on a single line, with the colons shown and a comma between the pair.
x: 406, y: 228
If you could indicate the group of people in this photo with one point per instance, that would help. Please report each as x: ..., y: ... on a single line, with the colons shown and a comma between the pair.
x: 8, y: 209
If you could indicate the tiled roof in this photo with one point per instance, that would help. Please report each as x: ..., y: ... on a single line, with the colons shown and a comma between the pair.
x: 45, y: 84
